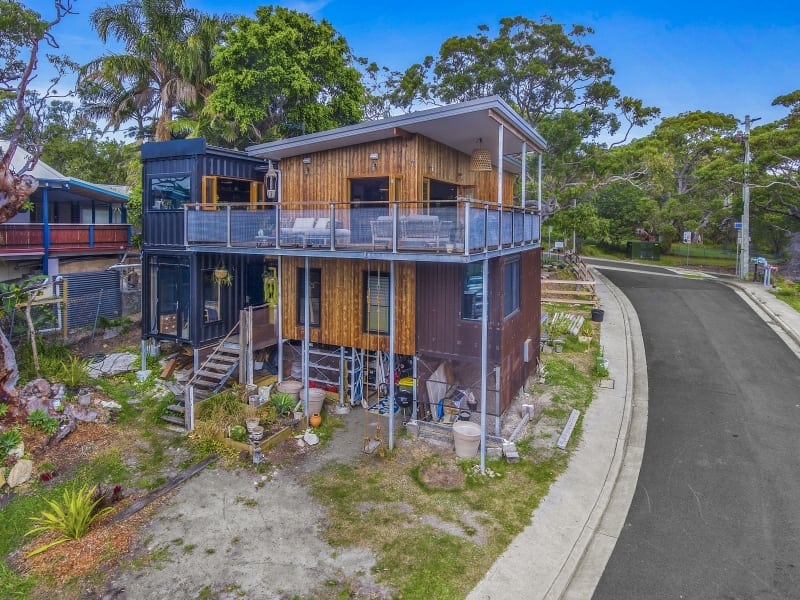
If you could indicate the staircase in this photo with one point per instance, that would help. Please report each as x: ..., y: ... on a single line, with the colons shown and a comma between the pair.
x: 210, y: 378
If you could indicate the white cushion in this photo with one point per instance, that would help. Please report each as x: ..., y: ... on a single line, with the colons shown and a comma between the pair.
x: 303, y: 223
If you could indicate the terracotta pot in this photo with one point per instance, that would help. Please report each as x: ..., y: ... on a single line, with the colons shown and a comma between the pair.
x: 315, y: 420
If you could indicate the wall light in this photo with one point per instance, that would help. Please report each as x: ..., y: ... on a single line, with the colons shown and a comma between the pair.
x: 374, y: 158
x: 306, y: 162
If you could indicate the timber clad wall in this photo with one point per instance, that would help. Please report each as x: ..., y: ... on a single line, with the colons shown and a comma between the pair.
x: 342, y: 304
x: 406, y: 160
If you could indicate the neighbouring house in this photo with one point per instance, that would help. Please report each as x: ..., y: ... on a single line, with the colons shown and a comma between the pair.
x: 74, y: 232
x: 392, y: 251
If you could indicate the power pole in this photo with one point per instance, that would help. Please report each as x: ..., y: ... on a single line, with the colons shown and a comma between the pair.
x: 744, y: 265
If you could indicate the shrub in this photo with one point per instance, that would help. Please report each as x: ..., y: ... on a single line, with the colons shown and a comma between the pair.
x: 74, y: 371
x: 3, y: 409
x: 71, y: 517
x: 9, y: 440
x: 283, y: 402
x: 41, y: 420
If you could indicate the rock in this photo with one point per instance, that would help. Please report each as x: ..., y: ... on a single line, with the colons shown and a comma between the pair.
x: 20, y: 472
x: 113, y: 364
x: 36, y: 395
x: 87, y: 414
x: 16, y: 453
x: 2, y: 478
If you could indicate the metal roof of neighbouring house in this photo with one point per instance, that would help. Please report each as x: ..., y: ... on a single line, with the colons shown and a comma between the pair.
x: 49, y: 177
x: 462, y: 126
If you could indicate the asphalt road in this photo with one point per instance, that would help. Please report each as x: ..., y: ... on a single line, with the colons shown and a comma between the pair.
x: 716, y: 513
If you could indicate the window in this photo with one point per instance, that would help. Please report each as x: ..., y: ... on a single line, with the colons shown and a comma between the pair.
x: 511, y: 287
x: 228, y: 190
x: 472, y: 292
x: 169, y: 296
x: 314, y: 280
x: 376, y: 303
x: 212, y: 300
x: 169, y: 192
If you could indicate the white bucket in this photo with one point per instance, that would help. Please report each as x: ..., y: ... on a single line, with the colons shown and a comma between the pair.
x: 467, y: 437
x: 316, y: 398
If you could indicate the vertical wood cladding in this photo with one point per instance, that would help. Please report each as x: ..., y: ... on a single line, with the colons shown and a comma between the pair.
x: 342, y: 303
x: 408, y: 159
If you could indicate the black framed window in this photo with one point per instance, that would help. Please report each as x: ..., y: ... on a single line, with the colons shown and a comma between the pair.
x: 169, y: 192
x: 314, y: 296
x: 511, y: 291
x: 472, y: 292
x: 376, y: 302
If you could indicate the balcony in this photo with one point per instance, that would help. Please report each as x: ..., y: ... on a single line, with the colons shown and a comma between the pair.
x: 458, y: 227
x: 36, y: 238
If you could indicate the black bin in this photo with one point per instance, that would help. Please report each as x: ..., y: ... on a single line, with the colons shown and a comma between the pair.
x: 597, y: 315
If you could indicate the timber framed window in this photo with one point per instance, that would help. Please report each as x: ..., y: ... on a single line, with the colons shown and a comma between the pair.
x: 376, y: 302
x: 314, y: 296
x: 230, y: 190
x: 511, y: 291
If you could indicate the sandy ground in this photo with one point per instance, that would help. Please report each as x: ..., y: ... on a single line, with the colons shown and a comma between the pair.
x: 223, y: 536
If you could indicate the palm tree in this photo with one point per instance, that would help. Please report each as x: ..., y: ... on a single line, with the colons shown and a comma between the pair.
x: 165, y: 63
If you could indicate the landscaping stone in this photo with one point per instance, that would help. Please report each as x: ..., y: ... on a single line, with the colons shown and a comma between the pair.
x: 18, y: 452
x: 87, y: 414
x: 113, y: 364
x: 2, y: 478
x: 20, y: 472
x: 36, y: 395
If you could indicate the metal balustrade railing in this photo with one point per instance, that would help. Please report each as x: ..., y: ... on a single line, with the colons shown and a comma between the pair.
x: 454, y: 226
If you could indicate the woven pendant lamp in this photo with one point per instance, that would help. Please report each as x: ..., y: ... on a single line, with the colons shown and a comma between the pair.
x: 481, y: 159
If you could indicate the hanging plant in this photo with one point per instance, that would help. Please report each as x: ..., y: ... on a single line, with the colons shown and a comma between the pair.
x: 222, y: 276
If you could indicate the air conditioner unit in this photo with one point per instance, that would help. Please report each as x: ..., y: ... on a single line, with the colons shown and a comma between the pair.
x: 527, y: 350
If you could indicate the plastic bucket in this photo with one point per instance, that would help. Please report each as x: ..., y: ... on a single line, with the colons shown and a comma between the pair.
x: 467, y: 438
x: 316, y: 398
x: 597, y: 315
x: 289, y: 386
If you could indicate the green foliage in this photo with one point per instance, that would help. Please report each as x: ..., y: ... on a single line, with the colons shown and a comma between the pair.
x: 9, y: 439
x: 238, y: 433
x: 3, y: 409
x: 282, y: 402
x: 71, y: 517
x: 75, y: 371
x: 280, y: 75
x: 41, y: 420
x: 165, y: 63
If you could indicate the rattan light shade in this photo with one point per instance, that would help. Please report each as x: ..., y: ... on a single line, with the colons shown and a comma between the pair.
x: 480, y: 160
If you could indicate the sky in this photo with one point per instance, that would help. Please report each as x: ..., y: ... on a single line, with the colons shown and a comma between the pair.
x: 679, y: 56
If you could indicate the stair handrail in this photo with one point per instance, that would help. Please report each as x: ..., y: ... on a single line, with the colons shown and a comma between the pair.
x: 214, y: 352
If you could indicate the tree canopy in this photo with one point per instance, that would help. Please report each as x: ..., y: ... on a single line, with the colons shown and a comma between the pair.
x: 282, y: 74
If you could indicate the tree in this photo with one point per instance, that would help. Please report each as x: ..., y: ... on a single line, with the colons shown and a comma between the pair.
x: 282, y: 74
x: 22, y: 32
x: 165, y: 64
x: 552, y: 78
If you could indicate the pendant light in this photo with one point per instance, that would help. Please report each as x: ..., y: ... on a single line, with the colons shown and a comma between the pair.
x: 481, y: 159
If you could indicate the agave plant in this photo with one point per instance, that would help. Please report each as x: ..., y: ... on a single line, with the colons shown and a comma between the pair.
x: 71, y: 517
